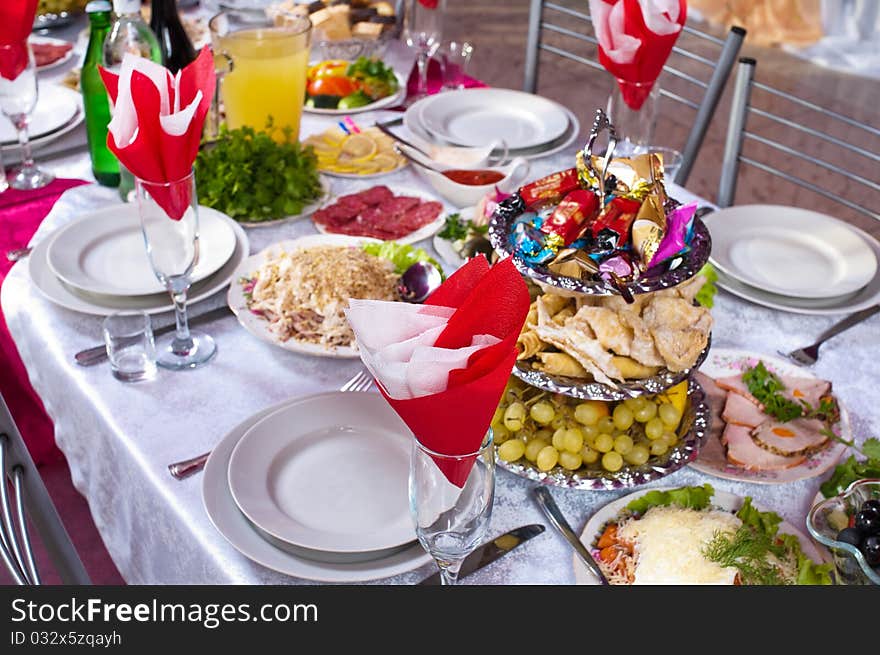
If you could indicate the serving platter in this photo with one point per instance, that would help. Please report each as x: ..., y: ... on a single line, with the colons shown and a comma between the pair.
x: 103, y: 252
x: 723, y: 362
x: 47, y: 40
x: 720, y: 499
x: 654, y: 279
x: 692, y: 433
x: 57, y: 292
x: 258, y: 326
x: 228, y: 520
x: 348, y: 454
x: 381, y: 103
x: 790, y: 251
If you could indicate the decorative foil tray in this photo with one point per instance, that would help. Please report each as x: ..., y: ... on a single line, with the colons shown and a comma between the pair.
x: 694, y: 427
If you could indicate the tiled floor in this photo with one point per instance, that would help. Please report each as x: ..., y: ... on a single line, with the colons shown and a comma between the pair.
x: 498, y: 30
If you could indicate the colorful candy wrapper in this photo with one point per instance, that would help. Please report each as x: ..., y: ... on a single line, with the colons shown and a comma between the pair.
x: 613, y: 223
x: 530, y: 243
x: 679, y: 231
x: 550, y: 189
x: 648, y: 229
x: 575, y: 212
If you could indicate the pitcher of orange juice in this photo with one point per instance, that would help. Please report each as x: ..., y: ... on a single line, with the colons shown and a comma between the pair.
x: 263, y: 69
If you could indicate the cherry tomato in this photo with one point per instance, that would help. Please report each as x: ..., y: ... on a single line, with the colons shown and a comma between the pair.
x: 332, y: 86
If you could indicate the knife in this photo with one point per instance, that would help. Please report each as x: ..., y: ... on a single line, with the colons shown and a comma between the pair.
x: 491, y: 550
x: 97, y: 354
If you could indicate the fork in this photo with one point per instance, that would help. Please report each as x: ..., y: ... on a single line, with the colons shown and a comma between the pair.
x: 809, y: 355
x: 185, y: 468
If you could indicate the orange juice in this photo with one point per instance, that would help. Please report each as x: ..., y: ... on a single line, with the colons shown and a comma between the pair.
x: 266, y: 77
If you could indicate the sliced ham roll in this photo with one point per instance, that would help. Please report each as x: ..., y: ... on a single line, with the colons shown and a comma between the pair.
x: 743, y: 451
x: 798, y: 437
x: 740, y: 411
x: 809, y: 390
x: 715, y: 397
x: 735, y: 384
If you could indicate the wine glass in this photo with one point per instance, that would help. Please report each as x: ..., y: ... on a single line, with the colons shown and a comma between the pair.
x: 423, y: 31
x: 451, y: 520
x: 170, y: 224
x: 18, y: 97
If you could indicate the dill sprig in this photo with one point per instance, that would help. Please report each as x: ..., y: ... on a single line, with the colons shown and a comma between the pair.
x: 745, y: 550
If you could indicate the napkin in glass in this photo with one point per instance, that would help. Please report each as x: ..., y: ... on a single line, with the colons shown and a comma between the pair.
x: 635, y: 39
x: 16, y: 23
x: 157, y: 122
x: 443, y: 366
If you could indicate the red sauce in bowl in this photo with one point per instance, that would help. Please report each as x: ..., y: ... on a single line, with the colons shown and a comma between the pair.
x: 475, y: 177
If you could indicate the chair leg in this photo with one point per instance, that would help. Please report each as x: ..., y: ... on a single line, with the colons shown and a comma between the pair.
x: 735, y: 131
x: 533, y: 43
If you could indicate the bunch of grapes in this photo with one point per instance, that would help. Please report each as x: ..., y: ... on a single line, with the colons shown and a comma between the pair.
x: 551, y: 430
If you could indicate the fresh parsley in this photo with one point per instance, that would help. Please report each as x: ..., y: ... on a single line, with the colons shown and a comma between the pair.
x: 250, y: 176
x: 853, y: 469
x: 457, y: 228
x: 767, y: 388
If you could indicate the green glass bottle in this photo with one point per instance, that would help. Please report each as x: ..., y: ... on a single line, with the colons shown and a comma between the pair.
x: 105, y: 166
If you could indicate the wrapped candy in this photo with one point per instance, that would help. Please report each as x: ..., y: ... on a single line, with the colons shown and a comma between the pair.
x: 679, y: 230
x: 549, y: 189
x: 612, y: 225
x: 573, y: 215
x: 530, y: 242
x: 648, y: 229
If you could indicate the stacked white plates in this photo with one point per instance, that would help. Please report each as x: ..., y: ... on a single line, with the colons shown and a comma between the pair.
x: 317, y: 488
x: 98, y: 264
x: 794, y: 259
x: 530, y: 125
x: 58, y: 111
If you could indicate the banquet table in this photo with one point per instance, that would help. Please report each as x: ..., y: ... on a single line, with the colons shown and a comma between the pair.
x: 119, y: 438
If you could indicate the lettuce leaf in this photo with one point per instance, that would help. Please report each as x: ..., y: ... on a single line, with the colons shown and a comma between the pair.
x: 706, y: 295
x: 690, y: 497
x: 402, y: 255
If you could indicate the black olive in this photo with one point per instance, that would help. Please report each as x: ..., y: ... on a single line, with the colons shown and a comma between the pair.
x: 850, y: 536
x: 871, y: 549
x: 868, y: 521
x: 871, y: 503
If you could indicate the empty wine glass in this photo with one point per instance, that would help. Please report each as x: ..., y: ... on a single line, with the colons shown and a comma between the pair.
x: 450, y: 499
x: 170, y: 224
x: 454, y: 58
x: 18, y: 97
x: 423, y: 31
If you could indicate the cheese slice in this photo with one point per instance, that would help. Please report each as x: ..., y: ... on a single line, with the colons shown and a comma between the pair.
x: 668, y: 543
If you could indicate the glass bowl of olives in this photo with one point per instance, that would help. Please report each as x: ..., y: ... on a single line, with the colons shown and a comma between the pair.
x: 849, y: 526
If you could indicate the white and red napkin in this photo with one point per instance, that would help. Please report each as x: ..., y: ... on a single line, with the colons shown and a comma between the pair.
x: 16, y: 23
x: 157, y: 121
x: 635, y: 39
x: 443, y: 365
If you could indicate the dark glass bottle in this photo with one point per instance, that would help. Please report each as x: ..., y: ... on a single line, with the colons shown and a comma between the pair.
x: 177, y: 49
x: 96, y: 104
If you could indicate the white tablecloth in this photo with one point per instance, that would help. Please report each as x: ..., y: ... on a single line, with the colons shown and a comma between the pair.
x: 119, y: 438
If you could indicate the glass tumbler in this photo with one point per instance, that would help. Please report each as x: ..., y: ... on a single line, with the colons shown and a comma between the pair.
x: 632, y: 108
x: 130, y: 346
x: 451, y: 499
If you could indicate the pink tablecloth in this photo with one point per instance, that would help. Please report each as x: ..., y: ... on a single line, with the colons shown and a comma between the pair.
x: 20, y: 214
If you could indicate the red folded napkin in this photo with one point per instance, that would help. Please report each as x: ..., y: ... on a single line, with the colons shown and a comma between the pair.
x: 16, y: 22
x: 635, y: 39
x: 157, y: 121
x: 487, y: 309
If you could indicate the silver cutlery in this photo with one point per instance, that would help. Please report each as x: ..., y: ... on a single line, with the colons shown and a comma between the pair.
x: 383, y: 127
x: 551, y: 509
x: 17, y: 253
x: 185, y: 468
x: 809, y: 355
x: 97, y: 354
x: 491, y: 551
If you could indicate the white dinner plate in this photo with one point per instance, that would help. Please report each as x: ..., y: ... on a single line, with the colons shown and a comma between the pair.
x: 56, y: 107
x: 720, y: 499
x: 258, y: 326
x: 867, y: 296
x: 235, y: 528
x: 13, y: 150
x: 545, y: 150
x: 722, y: 362
x: 48, y: 40
x: 103, y: 252
x: 790, y: 251
x: 475, y: 117
x: 99, y: 305
x: 328, y: 475
x: 424, y: 232
x: 305, y: 213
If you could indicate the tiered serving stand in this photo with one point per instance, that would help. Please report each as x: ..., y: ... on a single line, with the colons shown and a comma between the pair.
x: 696, y: 420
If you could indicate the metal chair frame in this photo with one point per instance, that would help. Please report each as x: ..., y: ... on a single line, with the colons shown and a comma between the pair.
x: 712, y: 89
x: 737, y: 134
x: 28, y: 491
